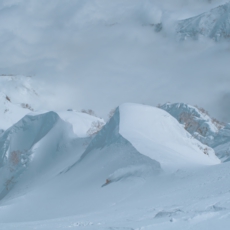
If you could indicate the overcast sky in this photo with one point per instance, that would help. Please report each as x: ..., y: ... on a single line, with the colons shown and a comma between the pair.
x: 98, y: 53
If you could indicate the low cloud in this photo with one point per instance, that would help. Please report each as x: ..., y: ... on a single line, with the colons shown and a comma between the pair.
x: 98, y: 54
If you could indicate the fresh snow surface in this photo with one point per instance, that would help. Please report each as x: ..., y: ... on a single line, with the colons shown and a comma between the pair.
x: 81, y: 122
x: 117, y: 180
x: 202, y: 127
x: 156, y: 134
x: 39, y: 139
x: 19, y: 98
x: 10, y: 112
x: 16, y: 95
x: 19, y: 89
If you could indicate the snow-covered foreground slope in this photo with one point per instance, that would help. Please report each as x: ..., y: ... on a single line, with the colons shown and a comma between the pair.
x: 117, y: 182
x: 214, y: 24
x: 195, y: 199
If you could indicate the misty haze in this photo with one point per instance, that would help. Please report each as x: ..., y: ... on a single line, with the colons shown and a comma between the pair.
x: 114, y: 114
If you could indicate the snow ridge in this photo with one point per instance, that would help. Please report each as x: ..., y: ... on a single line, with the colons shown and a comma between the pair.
x: 19, y: 144
x: 214, y: 24
x: 119, y: 157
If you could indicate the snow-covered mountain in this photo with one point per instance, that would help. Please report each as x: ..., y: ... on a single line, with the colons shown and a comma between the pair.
x: 214, y: 24
x: 16, y: 95
x: 19, y: 89
x: 37, y: 140
x: 11, y: 112
x: 143, y: 169
x: 141, y: 139
x: 149, y: 128
x: 19, y: 98
x: 201, y: 126
x: 150, y: 138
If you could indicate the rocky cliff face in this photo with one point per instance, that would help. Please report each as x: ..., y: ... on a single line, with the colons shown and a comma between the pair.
x: 201, y: 126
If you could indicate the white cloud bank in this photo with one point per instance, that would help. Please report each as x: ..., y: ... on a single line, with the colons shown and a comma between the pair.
x: 98, y: 53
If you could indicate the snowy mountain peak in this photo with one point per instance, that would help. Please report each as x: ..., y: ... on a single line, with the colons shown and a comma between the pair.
x: 194, y: 118
x: 11, y: 112
x: 17, y: 98
x: 155, y: 134
x: 214, y: 24
x: 18, y: 88
x: 201, y: 126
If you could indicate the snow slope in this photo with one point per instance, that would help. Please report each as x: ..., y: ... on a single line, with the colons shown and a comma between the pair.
x: 18, y: 98
x: 117, y: 182
x: 108, y: 157
x: 158, y: 135
x: 10, y: 112
x: 202, y: 127
x: 83, y: 123
x: 16, y: 95
x: 196, y: 121
x: 32, y: 145
x: 214, y: 24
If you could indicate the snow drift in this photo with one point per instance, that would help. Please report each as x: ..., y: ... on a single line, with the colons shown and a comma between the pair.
x: 156, y: 134
x: 153, y: 133
x: 130, y: 151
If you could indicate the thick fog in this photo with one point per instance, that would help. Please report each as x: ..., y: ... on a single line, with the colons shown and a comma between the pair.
x: 98, y: 54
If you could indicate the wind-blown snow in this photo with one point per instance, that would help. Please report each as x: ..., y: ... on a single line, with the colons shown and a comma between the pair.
x: 116, y: 182
x: 32, y: 146
x: 142, y: 170
x: 158, y: 135
x: 81, y: 122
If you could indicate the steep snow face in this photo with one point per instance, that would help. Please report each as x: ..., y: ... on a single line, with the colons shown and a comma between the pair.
x: 33, y: 144
x: 202, y: 127
x: 120, y: 158
x: 156, y: 134
x: 113, y: 184
x: 108, y: 164
x: 214, y: 24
